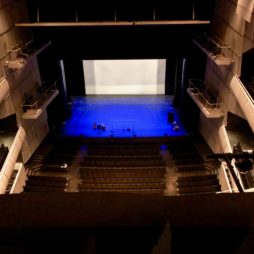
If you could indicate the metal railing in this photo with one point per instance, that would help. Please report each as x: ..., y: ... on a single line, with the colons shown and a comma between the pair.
x: 216, y: 49
x: 42, y: 95
x: 199, y: 89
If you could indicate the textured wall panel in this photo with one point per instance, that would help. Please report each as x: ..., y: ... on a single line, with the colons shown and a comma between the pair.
x: 245, y: 9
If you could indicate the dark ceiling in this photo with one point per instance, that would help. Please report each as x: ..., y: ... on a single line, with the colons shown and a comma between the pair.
x: 152, y: 41
x: 132, y: 10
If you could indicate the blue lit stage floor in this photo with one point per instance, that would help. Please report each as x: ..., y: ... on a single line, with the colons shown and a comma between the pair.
x: 123, y: 116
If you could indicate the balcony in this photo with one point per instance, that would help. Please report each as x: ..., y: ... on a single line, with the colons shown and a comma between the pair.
x: 216, y: 50
x: 18, y: 63
x: 21, y: 55
x: 38, y: 99
x: 208, y: 103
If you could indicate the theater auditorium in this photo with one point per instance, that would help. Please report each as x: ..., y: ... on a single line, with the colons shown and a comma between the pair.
x: 126, y: 127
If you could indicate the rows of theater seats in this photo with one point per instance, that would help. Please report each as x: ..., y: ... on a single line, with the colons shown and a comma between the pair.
x: 11, y: 181
x: 49, y: 174
x: 37, y: 183
x: 198, y: 184
x: 128, y: 168
x: 60, y: 157
x: 247, y: 179
x: 123, y: 167
x: 195, y: 177
x: 3, y: 154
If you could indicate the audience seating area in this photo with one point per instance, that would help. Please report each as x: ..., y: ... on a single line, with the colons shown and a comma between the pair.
x: 11, y: 181
x: 129, y: 168
x: 198, y: 184
x: 195, y: 176
x: 138, y: 167
x: 121, y: 149
x: 45, y: 184
x: 60, y: 157
x: 49, y: 168
x: 185, y: 156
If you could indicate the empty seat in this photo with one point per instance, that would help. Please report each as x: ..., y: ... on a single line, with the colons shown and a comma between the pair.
x: 136, y: 191
x: 196, y: 178
x: 42, y: 189
x: 199, y: 189
x: 121, y: 185
x: 122, y: 158
x: 186, y: 168
x: 54, y: 168
x: 189, y: 161
x: 123, y: 163
x: 197, y: 183
x: 45, y: 184
x: 119, y: 180
x: 124, y: 170
x: 123, y: 175
x: 48, y: 178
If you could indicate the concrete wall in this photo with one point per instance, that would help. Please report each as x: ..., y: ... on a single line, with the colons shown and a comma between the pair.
x: 229, y: 28
x: 212, y: 131
x: 234, y: 31
x: 20, y: 80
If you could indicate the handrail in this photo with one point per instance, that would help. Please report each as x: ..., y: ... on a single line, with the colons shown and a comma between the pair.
x: 244, y: 99
x: 218, y: 43
x: 20, y: 179
x: 227, y: 157
x: 216, y: 50
x: 11, y: 159
x: 244, y: 88
x: 31, y: 105
x: 228, y: 181
x: 226, y: 147
x: 207, y: 103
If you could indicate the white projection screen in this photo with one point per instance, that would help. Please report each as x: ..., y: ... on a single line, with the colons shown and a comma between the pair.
x: 125, y: 77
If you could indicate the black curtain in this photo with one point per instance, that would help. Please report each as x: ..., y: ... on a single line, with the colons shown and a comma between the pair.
x: 50, y: 71
x: 74, y: 75
x: 170, y: 76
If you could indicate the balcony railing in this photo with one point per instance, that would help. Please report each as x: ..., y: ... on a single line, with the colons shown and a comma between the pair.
x: 22, y: 54
x: 215, y: 49
x: 208, y: 102
x: 207, y: 99
x: 38, y: 99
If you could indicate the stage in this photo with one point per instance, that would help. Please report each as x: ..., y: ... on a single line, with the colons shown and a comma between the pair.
x: 107, y: 116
